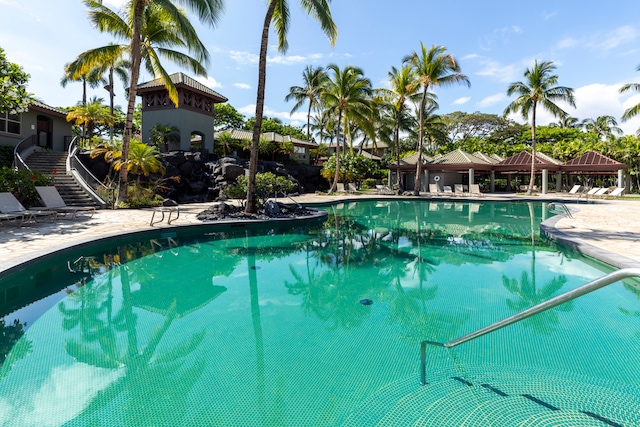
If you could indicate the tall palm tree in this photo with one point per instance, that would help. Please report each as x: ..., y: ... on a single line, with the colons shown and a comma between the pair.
x: 603, y: 126
x: 634, y: 110
x: 278, y: 14
x: 347, y: 92
x: 313, y: 79
x: 88, y: 76
x: 153, y: 28
x: 538, y: 88
x: 433, y: 67
x: 404, y: 87
x: 107, y: 60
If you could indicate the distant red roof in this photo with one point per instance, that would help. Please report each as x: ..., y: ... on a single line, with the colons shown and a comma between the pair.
x: 593, y: 162
x: 522, y: 162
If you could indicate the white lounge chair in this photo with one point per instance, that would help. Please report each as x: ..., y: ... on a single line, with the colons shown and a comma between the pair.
x: 9, y: 205
x: 447, y: 191
x: 601, y: 192
x: 617, y: 192
x: 459, y: 190
x: 434, y: 189
x: 576, y: 190
x: 474, y: 190
x: 593, y: 191
x: 53, y: 201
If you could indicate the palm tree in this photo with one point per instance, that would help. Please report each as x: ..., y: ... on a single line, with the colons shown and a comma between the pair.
x: 278, y: 14
x: 404, y: 87
x: 143, y: 160
x: 433, y: 67
x: 603, y: 126
x: 164, y: 134
x: 90, y: 114
x: 539, y: 88
x: 108, y: 60
x: 346, y: 92
x: 635, y: 110
x: 567, y: 122
x: 153, y: 28
x: 88, y: 76
x: 313, y: 79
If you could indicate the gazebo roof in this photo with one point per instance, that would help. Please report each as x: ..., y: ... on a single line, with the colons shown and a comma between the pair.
x: 521, y: 162
x: 493, y: 158
x: 412, y: 160
x: 241, y: 134
x: 184, y: 81
x: 593, y: 162
x: 458, y: 160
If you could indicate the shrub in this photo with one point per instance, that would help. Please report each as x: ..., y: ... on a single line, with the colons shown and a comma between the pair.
x: 368, y: 183
x: 22, y: 183
x: 6, y: 156
x: 267, y: 185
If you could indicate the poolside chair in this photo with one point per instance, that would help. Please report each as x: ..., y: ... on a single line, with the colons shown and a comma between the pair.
x: 434, y: 189
x: 593, y: 191
x: 576, y: 190
x: 384, y: 189
x: 474, y: 190
x: 10, y: 218
x: 459, y: 190
x: 447, y: 191
x: 617, y: 192
x: 11, y: 206
x: 601, y: 192
x: 53, y: 201
x: 351, y: 187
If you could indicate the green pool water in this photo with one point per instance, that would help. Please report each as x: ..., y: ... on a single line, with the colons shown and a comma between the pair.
x: 268, y: 328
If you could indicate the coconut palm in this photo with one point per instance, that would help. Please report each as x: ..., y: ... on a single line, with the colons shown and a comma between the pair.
x: 567, y: 122
x: 143, y: 160
x: 538, y: 88
x: 278, y: 15
x: 634, y: 110
x: 152, y: 29
x: 603, y: 126
x: 107, y: 60
x: 164, y: 134
x: 90, y: 114
x: 433, y: 67
x: 88, y: 76
x: 313, y: 79
x: 348, y: 93
x: 403, y: 87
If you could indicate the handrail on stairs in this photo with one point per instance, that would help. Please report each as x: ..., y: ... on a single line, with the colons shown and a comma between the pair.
x: 594, y: 285
x: 564, y: 209
x: 85, y: 178
x: 23, y: 148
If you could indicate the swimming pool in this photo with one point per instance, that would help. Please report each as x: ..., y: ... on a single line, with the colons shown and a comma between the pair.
x: 272, y: 328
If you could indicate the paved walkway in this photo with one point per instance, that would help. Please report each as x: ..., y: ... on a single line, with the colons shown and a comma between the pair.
x: 608, y: 230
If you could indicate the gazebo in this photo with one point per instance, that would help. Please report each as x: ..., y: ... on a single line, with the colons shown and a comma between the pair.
x: 521, y: 163
x: 594, y: 163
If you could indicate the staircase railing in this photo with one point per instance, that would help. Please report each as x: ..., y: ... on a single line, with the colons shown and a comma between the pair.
x: 92, y: 185
x: 553, y: 302
x: 559, y: 208
x: 22, y: 150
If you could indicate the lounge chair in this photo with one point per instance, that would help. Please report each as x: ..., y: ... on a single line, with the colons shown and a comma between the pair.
x: 53, y: 201
x: 601, y: 192
x: 383, y: 189
x: 576, y: 190
x: 593, y: 191
x: 474, y: 190
x: 351, y: 188
x: 459, y: 190
x: 434, y: 189
x: 447, y: 191
x: 6, y: 218
x: 9, y: 205
x: 617, y: 192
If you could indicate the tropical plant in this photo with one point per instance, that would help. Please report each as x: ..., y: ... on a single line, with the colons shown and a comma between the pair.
x: 153, y: 28
x: 22, y: 184
x: 540, y: 87
x: 313, y: 78
x: 14, y: 97
x: 433, y: 67
x: 268, y: 185
x: 348, y: 93
x: 89, y: 115
x: 635, y: 109
x: 225, y: 143
x: 566, y: 122
x: 278, y: 15
x: 403, y: 87
x: 143, y: 160
x: 164, y: 134
x: 604, y: 126
x: 226, y: 117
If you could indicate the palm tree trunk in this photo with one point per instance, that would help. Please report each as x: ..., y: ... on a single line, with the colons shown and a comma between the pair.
x: 257, y: 125
x: 533, y: 150
x: 416, y: 190
x: 111, y: 96
x: 334, y: 186
x: 309, y: 122
x: 128, y: 125
x: 396, y: 138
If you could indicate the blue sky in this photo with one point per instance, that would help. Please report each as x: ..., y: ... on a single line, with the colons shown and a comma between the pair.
x: 596, y: 49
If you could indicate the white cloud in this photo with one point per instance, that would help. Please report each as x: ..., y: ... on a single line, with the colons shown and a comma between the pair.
x: 470, y: 56
x: 499, y: 72
x: 298, y: 118
x: 209, y: 82
x: 461, y: 101
x: 247, y: 58
x: 619, y: 36
x: 244, y: 57
x: 492, y: 99
x: 567, y: 43
x: 242, y: 86
x: 116, y: 3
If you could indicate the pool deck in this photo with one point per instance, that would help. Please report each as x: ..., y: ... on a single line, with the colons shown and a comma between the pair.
x: 608, y: 230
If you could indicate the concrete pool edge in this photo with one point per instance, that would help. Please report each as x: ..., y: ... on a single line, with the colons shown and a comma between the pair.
x: 17, y: 264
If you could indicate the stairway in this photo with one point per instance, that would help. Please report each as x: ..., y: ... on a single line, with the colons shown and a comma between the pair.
x: 54, y: 165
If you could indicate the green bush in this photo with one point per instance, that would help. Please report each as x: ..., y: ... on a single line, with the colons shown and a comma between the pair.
x: 368, y: 183
x: 22, y: 183
x: 267, y: 185
x: 140, y: 197
x: 6, y: 156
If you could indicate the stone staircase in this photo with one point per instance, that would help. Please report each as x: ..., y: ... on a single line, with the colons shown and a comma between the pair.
x: 54, y: 165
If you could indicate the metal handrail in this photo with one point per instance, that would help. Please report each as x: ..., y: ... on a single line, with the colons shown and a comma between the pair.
x: 91, y: 182
x: 565, y: 208
x: 20, y: 149
x: 594, y: 285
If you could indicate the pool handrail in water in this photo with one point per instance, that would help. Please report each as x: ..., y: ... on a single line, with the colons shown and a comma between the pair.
x: 594, y: 285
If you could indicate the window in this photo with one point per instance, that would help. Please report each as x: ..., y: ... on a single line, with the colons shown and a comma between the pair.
x: 10, y: 123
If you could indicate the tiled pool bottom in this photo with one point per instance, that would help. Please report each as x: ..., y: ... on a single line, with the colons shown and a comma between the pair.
x: 269, y: 331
